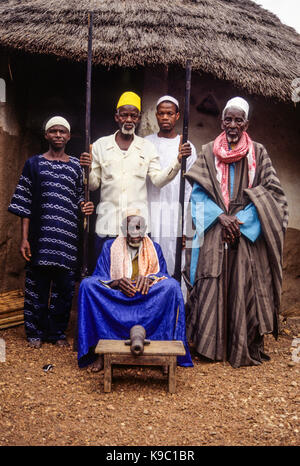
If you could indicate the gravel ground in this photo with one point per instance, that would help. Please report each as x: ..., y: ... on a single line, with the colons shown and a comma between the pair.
x: 214, y: 404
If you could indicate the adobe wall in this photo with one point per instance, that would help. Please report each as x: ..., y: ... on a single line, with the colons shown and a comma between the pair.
x: 16, y: 143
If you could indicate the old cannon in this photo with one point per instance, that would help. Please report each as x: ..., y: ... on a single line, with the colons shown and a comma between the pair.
x: 137, y: 340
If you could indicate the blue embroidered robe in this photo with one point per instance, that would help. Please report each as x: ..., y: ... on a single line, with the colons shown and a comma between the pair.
x: 49, y: 193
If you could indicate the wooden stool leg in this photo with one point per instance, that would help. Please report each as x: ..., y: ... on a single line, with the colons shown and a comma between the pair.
x: 172, y: 374
x: 107, y: 373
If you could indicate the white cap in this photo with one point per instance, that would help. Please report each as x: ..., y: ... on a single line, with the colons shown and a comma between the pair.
x: 167, y: 98
x: 131, y: 212
x: 238, y: 102
x: 57, y: 120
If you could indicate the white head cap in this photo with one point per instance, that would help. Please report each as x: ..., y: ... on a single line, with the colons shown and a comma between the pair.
x: 238, y: 102
x: 167, y: 98
x: 131, y: 212
x: 57, y: 120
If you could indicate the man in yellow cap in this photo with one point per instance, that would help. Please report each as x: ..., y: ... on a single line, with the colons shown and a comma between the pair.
x: 120, y: 164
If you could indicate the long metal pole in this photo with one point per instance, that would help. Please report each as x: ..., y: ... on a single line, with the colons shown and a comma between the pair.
x: 178, y: 257
x: 84, y: 271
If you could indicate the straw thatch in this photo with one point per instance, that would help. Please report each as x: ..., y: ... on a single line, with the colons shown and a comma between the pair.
x: 233, y: 40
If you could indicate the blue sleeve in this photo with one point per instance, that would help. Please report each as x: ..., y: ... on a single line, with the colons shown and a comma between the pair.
x: 204, y: 210
x: 102, y: 269
x: 21, y: 202
x: 204, y: 213
x: 162, y: 263
x: 251, y: 227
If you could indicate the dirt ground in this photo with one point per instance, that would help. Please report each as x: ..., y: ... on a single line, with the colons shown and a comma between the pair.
x: 214, y: 404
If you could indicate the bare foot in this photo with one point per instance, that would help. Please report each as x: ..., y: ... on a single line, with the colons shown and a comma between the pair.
x: 97, y: 365
x: 35, y: 344
x: 62, y: 343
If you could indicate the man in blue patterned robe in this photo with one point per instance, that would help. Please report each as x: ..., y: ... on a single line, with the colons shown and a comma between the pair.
x: 48, y: 198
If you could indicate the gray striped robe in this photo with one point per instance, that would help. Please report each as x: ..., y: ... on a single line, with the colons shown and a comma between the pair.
x: 254, y: 269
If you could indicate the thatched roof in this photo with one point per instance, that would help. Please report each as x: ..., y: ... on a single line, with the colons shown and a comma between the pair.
x: 233, y: 40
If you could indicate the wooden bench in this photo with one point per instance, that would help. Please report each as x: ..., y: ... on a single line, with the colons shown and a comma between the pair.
x: 11, y: 308
x: 157, y: 353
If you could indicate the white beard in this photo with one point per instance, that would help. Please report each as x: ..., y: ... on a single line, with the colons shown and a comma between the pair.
x: 128, y: 131
x: 232, y: 139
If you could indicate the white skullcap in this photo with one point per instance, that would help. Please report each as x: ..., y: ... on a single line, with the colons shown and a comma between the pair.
x: 130, y: 212
x: 168, y: 98
x: 238, y: 102
x: 57, y: 120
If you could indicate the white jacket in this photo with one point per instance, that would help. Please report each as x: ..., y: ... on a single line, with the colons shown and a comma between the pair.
x: 121, y: 176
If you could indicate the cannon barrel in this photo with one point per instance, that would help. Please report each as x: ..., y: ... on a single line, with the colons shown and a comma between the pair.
x: 137, y: 339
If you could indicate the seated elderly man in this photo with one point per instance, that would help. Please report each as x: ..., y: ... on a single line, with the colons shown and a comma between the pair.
x: 130, y: 286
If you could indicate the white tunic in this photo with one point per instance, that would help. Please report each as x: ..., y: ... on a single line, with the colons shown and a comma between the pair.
x: 164, y: 202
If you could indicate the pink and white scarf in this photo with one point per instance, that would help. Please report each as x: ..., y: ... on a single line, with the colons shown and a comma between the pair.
x: 224, y: 156
x: 148, y: 261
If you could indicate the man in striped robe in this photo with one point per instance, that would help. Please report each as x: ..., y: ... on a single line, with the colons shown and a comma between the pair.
x: 234, y: 267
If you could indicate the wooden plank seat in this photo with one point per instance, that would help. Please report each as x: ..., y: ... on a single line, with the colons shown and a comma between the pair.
x: 11, y: 308
x: 157, y: 353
